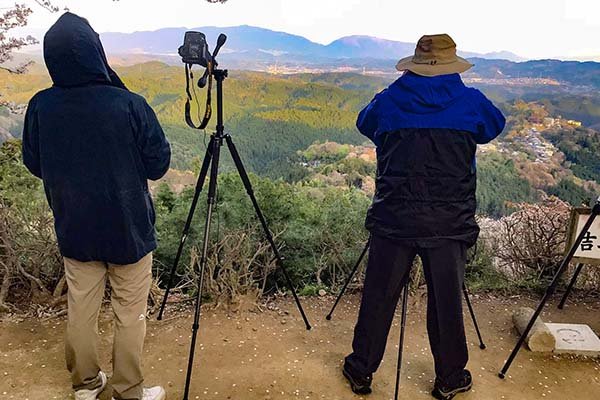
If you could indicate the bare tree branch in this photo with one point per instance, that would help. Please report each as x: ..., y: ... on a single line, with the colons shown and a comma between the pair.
x: 47, y: 5
x: 18, y: 17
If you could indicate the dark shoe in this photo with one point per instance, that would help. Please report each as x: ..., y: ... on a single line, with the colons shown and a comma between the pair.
x: 359, y: 385
x: 443, y: 391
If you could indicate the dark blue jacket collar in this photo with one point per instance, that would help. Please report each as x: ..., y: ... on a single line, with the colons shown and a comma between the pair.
x: 424, y: 95
x: 441, y: 102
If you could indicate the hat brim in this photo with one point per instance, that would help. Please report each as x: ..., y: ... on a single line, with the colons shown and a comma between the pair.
x: 457, y: 67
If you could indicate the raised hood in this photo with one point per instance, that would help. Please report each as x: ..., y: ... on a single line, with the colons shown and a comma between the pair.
x: 423, y: 95
x: 74, y: 55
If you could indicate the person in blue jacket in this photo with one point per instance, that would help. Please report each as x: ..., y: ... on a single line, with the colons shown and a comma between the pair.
x: 426, y: 126
x: 95, y: 145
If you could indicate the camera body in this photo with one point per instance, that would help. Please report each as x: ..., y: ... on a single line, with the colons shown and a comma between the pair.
x: 195, y: 49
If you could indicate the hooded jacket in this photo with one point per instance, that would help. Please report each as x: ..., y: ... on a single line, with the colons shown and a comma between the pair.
x: 94, y: 144
x: 426, y: 130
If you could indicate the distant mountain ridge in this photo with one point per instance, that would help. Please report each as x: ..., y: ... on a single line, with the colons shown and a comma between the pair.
x: 252, y: 48
x: 259, y: 43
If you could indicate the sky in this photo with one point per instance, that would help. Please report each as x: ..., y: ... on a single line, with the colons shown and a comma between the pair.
x: 530, y: 28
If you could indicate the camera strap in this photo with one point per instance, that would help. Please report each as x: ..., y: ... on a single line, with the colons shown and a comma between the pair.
x: 189, y: 76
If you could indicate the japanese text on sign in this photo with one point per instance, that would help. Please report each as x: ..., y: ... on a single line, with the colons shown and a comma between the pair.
x: 590, y: 246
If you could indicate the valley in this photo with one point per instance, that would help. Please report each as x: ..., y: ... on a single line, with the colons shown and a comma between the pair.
x: 276, y: 118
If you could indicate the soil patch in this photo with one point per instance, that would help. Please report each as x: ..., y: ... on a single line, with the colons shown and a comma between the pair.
x: 269, y: 355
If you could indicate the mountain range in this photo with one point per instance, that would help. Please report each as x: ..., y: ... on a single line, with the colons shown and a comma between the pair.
x: 259, y: 49
x: 252, y: 48
x: 253, y: 43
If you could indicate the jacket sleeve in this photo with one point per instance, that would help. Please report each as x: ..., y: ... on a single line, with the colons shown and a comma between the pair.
x: 491, y: 121
x: 367, y: 122
x: 31, y: 141
x: 151, y: 141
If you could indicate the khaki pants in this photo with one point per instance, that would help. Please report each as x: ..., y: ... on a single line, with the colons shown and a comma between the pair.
x: 130, y: 288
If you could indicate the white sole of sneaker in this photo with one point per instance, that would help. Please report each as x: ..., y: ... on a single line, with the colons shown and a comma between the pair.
x: 93, y: 394
x: 161, y: 396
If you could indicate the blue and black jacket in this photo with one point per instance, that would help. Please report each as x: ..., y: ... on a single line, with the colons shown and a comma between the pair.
x: 94, y: 144
x: 426, y: 130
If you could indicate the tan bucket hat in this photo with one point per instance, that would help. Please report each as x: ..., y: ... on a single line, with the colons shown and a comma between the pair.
x: 434, y: 55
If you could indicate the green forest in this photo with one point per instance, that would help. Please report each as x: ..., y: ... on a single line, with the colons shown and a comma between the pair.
x: 315, y: 200
x: 274, y: 118
x: 582, y: 149
x: 270, y: 118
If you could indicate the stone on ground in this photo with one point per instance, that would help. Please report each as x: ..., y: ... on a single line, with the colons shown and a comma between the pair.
x: 575, y: 339
x: 540, y: 338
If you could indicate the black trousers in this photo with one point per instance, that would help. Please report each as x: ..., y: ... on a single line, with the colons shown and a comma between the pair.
x: 387, y: 271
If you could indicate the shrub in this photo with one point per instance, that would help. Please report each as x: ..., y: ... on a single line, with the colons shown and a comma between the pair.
x: 531, y: 241
x: 31, y: 266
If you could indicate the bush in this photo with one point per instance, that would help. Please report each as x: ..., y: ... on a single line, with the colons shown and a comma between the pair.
x: 29, y: 258
x: 531, y: 241
x: 316, y: 227
x: 480, y: 272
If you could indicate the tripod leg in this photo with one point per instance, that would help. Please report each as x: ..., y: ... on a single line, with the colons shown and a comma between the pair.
x: 200, y: 266
x: 188, y: 222
x: 248, y: 186
x: 570, y: 287
x: 470, y: 307
x: 550, y: 290
x: 402, y: 330
x: 349, y: 279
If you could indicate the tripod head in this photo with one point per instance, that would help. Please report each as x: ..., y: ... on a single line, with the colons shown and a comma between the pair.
x: 220, y: 42
x: 195, y: 51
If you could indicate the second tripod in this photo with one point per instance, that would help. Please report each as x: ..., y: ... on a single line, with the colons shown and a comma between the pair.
x: 357, y: 265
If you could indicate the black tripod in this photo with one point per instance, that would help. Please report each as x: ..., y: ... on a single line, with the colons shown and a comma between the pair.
x: 552, y: 288
x: 578, y: 269
x: 211, y: 159
x: 402, y: 330
x: 351, y: 275
x: 403, y: 315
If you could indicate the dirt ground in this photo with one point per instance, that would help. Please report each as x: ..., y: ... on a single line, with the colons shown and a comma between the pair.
x: 269, y: 355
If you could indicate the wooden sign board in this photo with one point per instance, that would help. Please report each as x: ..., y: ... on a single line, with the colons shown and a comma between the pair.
x: 589, y: 249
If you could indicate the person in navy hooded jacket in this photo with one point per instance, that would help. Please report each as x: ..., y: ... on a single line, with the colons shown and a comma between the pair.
x: 426, y: 126
x: 95, y: 145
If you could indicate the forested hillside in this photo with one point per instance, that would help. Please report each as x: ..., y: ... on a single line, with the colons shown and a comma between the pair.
x: 270, y: 117
x: 313, y: 174
x: 274, y: 119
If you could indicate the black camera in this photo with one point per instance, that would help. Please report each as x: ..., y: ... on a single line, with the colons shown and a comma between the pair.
x: 195, y: 49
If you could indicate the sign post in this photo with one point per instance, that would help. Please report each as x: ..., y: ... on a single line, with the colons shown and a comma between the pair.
x: 588, y: 251
x: 580, y: 244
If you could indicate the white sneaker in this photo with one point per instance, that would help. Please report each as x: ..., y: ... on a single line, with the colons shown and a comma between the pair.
x: 87, y: 394
x: 154, y: 393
